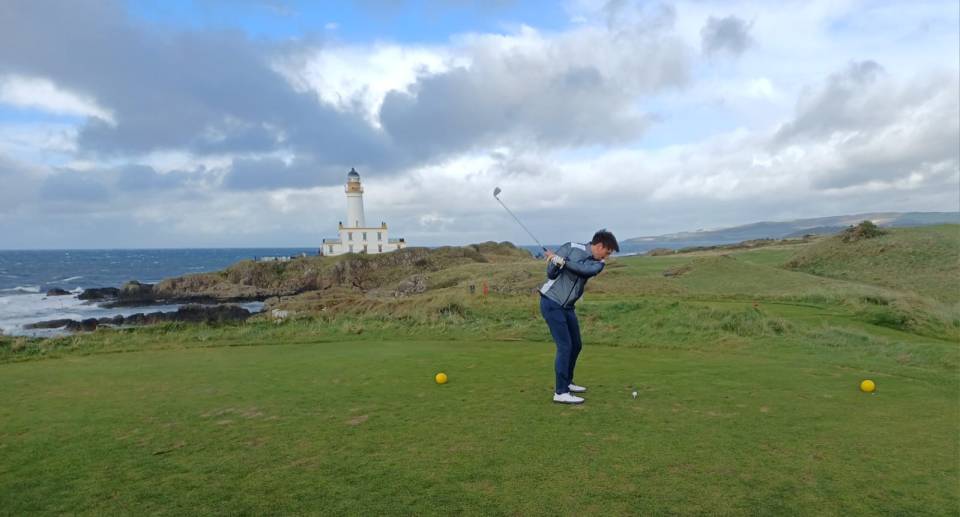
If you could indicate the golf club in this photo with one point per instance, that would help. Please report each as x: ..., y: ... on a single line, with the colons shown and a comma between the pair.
x: 497, y: 192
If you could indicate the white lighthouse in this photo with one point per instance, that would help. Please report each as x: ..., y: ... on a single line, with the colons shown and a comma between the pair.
x: 354, y: 200
x: 355, y: 235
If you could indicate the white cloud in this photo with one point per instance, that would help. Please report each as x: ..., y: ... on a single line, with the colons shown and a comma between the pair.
x: 348, y: 76
x: 435, y: 222
x: 760, y: 88
x: 43, y: 94
x: 575, y: 85
x: 166, y: 161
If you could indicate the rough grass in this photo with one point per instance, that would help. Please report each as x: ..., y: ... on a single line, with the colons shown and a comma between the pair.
x: 918, y: 260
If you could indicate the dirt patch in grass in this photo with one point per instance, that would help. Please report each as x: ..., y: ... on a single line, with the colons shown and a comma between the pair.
x: 252, y: 413
x: 165, y: 450
x: 357, y: 420
x: 678, y: 271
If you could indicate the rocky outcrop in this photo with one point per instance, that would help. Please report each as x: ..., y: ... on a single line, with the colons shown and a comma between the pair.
x: 49, y: 324
x: 99, y: 293
x: 210, y: 287
x: 87, y: 325
x: 135, y: 293
x: 205, y: 314
x: 212, y: 314
x: 414, y: 285
x: 56, y: 291
x: 249, y: 280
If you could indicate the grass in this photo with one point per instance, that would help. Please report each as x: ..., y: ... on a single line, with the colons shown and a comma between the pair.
x: 747, y: 376
x: 360, y: 428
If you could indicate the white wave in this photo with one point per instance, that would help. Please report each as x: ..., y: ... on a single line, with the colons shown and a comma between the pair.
x: 22, y: 289
x: 18, y: 311
x: 71, y: 279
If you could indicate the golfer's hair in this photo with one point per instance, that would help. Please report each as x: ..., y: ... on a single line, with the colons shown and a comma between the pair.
x: 607, y: 239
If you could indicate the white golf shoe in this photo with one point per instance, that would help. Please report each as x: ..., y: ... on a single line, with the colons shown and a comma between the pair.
x: 577, y: 389
x: 567, y: 398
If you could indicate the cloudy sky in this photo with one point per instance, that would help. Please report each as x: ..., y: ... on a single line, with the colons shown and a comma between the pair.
x: 213, y: 123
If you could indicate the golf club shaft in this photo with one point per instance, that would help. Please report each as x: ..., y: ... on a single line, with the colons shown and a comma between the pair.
x: 520, y: 223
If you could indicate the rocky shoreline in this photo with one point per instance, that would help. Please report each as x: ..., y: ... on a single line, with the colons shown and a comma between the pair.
x: 137, y: 294
x: 193, y: 313
x: 196, y: 308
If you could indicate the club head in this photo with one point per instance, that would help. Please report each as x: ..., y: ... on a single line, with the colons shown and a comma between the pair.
x: 496, y: 192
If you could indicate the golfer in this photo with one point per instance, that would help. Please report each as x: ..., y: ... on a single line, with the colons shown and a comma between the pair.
x: 568, y: 270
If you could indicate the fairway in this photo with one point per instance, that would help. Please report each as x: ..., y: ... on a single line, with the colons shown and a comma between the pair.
x: 359, y: 427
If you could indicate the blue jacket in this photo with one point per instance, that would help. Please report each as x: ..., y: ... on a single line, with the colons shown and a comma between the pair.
x: 565, y: 284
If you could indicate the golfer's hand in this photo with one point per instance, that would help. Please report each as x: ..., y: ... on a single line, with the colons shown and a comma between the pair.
x: 549, y: 254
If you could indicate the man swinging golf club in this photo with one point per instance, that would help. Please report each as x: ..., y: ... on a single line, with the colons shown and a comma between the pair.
x: 568, y: 270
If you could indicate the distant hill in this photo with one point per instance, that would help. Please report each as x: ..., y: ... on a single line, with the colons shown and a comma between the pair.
x: 784, y: 229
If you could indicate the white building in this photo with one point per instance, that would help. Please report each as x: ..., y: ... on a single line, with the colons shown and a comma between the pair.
x: 356, y: 236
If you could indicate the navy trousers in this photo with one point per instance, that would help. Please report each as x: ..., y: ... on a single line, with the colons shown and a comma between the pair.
x: 565, y: 330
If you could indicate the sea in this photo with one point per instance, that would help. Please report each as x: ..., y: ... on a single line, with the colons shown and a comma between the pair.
x: 27, y: 275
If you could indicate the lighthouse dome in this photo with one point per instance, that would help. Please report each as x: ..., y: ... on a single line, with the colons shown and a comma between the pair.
x: 353, y: 175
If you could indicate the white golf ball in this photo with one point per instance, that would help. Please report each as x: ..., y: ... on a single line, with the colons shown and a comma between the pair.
x: 634, y: 394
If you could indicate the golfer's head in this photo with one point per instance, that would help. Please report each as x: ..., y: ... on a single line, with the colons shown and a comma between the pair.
x: 603, y: 245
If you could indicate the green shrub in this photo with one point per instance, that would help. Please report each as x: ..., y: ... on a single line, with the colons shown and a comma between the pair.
x: 453, y: 309
x: 864, y: 230
x: 888, y: 317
